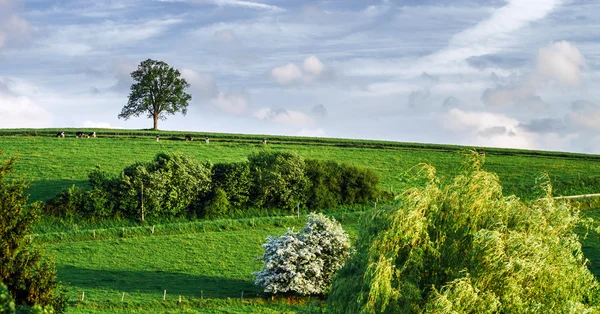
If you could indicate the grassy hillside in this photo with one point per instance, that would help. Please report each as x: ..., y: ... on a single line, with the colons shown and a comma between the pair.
x: 57, y: 163
x: 209, y: 270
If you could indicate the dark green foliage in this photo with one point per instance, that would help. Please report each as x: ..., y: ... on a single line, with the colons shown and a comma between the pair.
x: 159, y: 90
x: 463, y: 247
x: 174, y: 185
x: 326, y: 184
x: 334, y: 184
x: 235, y: 180
x: 28, y: 274
x: 67, y: 203
x: 217, y: 205
x: 359, y: 185
x: 279, y: 180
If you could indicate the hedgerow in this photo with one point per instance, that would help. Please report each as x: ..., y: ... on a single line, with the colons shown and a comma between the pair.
x: 175, y: 185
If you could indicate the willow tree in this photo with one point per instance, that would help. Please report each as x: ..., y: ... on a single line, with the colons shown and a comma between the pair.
x: 464, y: 247
x: 158, y: 90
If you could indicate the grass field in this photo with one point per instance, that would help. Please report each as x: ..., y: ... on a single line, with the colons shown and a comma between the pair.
x: 209, y: 270
x: 123, y: 267
x: 55, y: 164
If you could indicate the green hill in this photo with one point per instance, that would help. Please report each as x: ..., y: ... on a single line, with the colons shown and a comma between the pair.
x: 54, y: 164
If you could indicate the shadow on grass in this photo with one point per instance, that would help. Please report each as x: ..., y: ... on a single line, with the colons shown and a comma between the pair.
x: 42, y: 190
x: 156, y: 282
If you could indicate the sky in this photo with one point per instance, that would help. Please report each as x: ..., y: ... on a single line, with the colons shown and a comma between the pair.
x: 501, y: 73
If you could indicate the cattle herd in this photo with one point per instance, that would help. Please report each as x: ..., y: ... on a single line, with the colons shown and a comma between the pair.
x: 82, y: 134
x: 78, y: 134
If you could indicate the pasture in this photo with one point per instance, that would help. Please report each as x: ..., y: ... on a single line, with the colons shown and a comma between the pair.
x: 54, y: 164
x: 122, y: 266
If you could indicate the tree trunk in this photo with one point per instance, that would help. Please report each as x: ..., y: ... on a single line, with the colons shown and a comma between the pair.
x: 155, y: 122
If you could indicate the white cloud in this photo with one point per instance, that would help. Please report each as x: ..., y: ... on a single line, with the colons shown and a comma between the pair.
x: 561, y: 61
x: 286, y: 74
x: 77, y: 40
x: 201, y: 85
x: 12, y: 26
x: 489, y: 129
x: 313, y: 65
x: 21, y: 112
x: 313, y: 68
x: 292, y: 118
x: 234, y: 103
x: 226, y: 36
x: 233, y: 3
x: 585, y: 114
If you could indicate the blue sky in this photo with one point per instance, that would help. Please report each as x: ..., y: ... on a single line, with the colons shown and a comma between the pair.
x: 512, y: 73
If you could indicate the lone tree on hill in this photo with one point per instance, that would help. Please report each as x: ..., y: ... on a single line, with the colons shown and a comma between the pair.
x: 158, y: 90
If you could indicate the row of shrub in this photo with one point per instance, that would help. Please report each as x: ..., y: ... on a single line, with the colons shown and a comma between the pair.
x: 175, y: 185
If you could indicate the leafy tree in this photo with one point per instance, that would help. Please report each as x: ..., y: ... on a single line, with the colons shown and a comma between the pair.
x: 28, y: 274
x: 304, y: 262
x: 280, y: 180
x: 159, y: 90
x: 464, y: 247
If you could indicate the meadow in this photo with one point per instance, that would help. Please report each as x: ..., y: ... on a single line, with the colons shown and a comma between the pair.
x: 54, y: 164
x: 125, y: 266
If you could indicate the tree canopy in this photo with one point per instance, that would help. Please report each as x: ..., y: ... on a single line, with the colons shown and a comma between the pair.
x: 158, y: 90
x: 28, y: 274
x: 464, y: 247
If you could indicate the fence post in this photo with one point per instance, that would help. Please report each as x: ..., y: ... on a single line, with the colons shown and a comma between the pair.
x: 201, y: 294
x: 82, y: 295
x: 165, y: 295
x: 123, y: 297
x: 242, y: 297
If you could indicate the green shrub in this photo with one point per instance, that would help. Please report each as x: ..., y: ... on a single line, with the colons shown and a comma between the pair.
x: 235, y: 180
x: 67, y: 203
x: 217, y: 205
x: 359, y: 185
x: 169, y: 186
x: 464, y: 247
x: 28, y: 274
x: 279, y: 180
x: 334, y: 184
x: 326, y: 184
x: 7, y: 304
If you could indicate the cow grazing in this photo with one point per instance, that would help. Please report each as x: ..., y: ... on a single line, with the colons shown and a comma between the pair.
x: 264, y: 141
x: 60, y: 134
x: 80, y: 134
x: 206, y: 140
x: 188, y: 138
x: 93, y: 134
x: 157, y: 138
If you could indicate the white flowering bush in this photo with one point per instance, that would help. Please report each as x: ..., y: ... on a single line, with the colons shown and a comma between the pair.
x: 304, y: 262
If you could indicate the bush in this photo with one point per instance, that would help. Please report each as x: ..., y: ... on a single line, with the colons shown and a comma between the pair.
x: 28, y: 274
x: 7, y: 304
x: 67, y: 203
x: 279, y: 180
x: 304, y: 262
x: 326, y: 184
x: 217, y: 205
x: 171, y: 184
x: 334, y: 184
x: 464, y: 247
x: 235, y: 180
